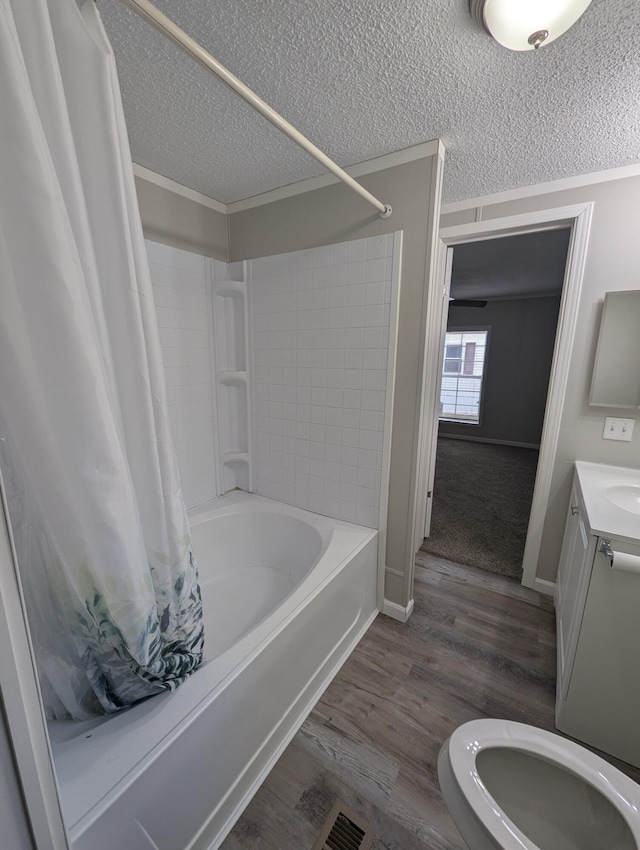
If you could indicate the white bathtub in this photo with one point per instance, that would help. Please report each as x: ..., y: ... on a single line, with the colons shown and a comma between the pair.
x: 287, y: 594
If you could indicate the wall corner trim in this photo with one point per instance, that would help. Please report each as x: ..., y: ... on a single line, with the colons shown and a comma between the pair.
x: 397, y: 612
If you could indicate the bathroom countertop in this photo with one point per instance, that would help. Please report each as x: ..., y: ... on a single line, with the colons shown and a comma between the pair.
x: 605, y: 518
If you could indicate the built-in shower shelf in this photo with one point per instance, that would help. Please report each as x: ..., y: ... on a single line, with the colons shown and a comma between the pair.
x: 231, y: 288
x: 236, y: 471
x: 230, y: 377
x: 227, y: 457
x: 233, y: 394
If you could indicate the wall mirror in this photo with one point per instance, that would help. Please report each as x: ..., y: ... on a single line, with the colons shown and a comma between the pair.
x: 616, y: 372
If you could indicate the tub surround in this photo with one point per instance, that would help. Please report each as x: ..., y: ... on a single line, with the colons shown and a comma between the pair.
x: 281, y: 373
x: 324, y: 355
x: 197, y: 748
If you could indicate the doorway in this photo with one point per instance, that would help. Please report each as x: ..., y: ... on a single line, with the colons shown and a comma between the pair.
x: 576, y: 217
x: 504, y: 301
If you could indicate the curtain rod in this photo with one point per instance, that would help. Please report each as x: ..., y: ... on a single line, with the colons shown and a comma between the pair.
x: 167, y: 27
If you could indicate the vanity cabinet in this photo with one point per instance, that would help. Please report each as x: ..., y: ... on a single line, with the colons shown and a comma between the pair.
x: 598, y: 623
x: 572, y: 582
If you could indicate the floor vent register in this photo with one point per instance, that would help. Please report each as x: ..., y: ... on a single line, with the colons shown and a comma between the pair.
x: 344, y: 830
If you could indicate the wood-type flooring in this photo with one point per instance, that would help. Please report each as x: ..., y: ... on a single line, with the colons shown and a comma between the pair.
x: 476, y: 645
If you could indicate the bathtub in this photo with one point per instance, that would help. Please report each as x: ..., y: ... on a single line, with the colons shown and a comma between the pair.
x: 287, y: 595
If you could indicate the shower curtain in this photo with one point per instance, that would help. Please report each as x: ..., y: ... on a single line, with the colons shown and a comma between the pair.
x: 95, y: 502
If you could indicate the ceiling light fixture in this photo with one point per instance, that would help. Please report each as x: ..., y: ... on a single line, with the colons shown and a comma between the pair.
x: 526, y: 24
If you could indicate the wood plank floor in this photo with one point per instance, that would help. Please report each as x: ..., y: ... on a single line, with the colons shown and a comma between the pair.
x: 476, y: 645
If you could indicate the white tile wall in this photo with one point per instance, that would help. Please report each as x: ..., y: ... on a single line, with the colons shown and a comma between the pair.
x: 180, y: 288
x: 320, y: 343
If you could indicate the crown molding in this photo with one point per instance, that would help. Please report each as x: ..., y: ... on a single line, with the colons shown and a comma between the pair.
x: 178, y: 188
x: 560, y: 185
x: 389, y: 160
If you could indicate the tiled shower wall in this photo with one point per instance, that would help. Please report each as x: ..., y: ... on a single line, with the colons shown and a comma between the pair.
x: 180, y: 287
x: 320, y: 344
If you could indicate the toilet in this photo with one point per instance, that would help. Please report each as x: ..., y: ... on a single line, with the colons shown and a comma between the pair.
x: 510, y: 786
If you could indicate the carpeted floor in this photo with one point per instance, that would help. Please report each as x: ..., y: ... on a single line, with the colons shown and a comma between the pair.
x: 482, y: 499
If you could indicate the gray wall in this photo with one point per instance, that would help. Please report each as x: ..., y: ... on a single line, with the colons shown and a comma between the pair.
x: 612, y: 263
x: 180, y: 222
x: 336, y: 214
x: 516, y: 370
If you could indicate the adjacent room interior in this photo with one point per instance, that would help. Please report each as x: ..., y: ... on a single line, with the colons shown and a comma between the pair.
x: 504, y: 299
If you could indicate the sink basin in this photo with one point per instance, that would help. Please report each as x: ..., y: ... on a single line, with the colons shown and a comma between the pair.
x: 625, y: 496
x: 612, y: 500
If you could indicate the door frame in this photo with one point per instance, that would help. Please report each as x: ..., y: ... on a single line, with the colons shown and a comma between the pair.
x: 578, y: 218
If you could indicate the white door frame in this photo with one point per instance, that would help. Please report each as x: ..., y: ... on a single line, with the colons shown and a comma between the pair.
x: 434, y: 348
x: 578, y: 217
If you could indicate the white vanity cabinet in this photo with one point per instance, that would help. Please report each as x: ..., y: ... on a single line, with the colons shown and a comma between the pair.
x: 574, y: 572
x: 598, y: 619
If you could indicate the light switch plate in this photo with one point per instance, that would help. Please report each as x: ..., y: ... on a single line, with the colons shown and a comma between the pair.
x: 618, y: 429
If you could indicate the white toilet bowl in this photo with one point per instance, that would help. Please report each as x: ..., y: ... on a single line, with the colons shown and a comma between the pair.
x: 512, y: 786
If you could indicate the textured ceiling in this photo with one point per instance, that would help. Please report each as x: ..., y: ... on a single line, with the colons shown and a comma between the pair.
x: 363, y: 78
x: 526, y: 266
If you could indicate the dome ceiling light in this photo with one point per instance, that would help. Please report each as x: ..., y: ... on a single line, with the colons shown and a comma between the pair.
x: 526, y: 24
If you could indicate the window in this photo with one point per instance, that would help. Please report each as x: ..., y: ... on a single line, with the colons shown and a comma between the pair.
x: 462, y: 374
x: 453, y: 359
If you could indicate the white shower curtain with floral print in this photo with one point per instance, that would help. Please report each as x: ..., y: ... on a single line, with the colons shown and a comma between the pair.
x: 96, y: 507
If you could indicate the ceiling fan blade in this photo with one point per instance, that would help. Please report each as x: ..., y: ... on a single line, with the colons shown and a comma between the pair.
x: 463, y: 302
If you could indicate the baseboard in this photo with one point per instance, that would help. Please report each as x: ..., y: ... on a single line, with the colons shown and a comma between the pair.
x: 472, y: 439
x: 397, y: 612
x: 544, y: 586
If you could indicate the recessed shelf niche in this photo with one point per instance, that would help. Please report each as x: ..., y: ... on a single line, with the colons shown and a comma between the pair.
x: 234, y: 418
x: 229, y: 308
x: 236, y: 474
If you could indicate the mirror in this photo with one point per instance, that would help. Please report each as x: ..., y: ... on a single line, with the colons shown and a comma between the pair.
x: 616, y: 372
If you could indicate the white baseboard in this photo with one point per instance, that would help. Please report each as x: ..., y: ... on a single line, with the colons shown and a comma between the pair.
x: 397, y: 612
x: 544, y: 586
x: 472, y: 439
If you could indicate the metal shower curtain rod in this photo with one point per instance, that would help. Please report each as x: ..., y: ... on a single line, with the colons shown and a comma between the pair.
x: 166, y: 26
